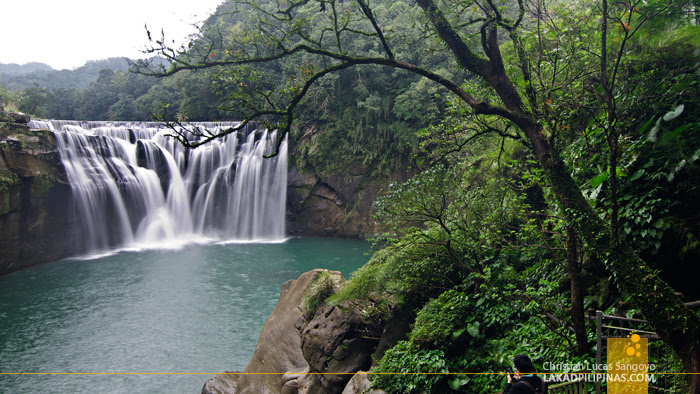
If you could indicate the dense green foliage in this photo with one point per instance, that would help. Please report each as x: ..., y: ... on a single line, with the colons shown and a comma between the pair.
x: 320, y: 288
x: 479, y: 251
x: 481, y: 254
x: 363, y: 116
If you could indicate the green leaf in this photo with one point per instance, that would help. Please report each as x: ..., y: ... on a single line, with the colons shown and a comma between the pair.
x: 637, y: 175
x: 473, y: 329
x: 646, y: 125
x: 675, y: 132
x: 595, y: 182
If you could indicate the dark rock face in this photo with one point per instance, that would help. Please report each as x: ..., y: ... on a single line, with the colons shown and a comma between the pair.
x: 153, y: 158
x: 337, y: 205
x: 35, y: 218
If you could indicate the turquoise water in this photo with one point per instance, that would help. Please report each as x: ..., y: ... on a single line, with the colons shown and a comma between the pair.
x: 196, y: 310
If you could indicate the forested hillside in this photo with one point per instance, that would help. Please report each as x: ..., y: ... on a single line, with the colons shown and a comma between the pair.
x: 19, y: 77
x: 98, y: 90
x: 13, y: 68
x: 367, y: 115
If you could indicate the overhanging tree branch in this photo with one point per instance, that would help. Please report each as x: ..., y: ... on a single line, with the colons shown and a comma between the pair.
x: 675, y: 324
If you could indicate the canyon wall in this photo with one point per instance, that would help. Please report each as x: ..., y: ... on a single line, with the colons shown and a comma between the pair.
x: 35, y: 221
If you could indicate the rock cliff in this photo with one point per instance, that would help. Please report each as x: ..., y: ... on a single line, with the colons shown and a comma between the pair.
x: 331, y: 205
x: 34, y: 197
x: 334, y: 205
x: 294, y: 354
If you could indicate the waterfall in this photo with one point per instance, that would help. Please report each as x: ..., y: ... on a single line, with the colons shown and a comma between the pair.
x: 135, y: 187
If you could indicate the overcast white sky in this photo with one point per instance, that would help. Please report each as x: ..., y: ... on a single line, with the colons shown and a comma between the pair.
x: 67, y: 33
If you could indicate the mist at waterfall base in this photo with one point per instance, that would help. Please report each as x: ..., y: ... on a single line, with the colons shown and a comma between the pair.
x: 195, y: 310
x: 186, y: 255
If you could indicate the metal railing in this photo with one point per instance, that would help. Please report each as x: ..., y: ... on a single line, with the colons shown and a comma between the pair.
x: 578, y: 386
x: 600, y: 317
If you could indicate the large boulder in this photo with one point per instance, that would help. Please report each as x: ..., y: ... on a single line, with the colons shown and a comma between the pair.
x: 336, y: 344
x: 299, y: 355
x: 278, y: 351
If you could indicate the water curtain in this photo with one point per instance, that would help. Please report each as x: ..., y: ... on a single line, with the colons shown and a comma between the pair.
x: 133, y: 185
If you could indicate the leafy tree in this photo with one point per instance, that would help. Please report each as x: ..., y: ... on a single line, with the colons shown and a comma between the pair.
x: 476, y: 34
x: 34, y: 101
x: 65, y: 104
x: 100, y: 96
x: 162, y: 99
x: 8, y: 99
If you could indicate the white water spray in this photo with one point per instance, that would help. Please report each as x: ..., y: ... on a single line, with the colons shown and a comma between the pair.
x: 134, y: 187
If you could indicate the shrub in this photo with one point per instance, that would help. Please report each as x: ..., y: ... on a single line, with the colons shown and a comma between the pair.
x: 404, y: 369
x: 320, y: 288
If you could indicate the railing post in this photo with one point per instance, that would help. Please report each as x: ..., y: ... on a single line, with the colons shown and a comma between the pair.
x: 598, y: 349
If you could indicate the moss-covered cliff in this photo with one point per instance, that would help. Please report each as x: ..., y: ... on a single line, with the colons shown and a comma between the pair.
x: 35, y: 220
x: 330, y: 191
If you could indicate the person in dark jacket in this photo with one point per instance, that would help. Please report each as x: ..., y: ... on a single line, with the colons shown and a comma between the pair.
x: 524, y: 381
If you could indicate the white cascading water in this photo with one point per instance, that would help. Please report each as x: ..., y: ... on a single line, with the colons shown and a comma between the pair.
x: 133, y: 186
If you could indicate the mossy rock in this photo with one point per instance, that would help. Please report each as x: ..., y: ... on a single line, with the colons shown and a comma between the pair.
x: 14, y: 117
x: 7, y: 129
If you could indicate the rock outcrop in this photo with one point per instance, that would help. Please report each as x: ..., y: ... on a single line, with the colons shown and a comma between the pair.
x: 336, y: 205
x: 34, y: 197
x: 335, y: 344
x: 296, y: 355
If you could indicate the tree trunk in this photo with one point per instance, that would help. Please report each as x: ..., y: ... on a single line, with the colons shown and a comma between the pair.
x: 676, y: 324
x: 577, y: 316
